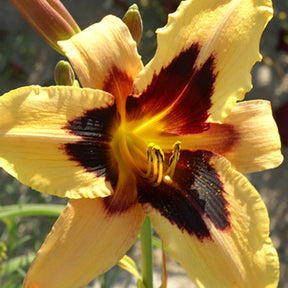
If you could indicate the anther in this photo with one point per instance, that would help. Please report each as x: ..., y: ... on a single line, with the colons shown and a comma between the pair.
x: 155, y: 158
x: 173, y: 160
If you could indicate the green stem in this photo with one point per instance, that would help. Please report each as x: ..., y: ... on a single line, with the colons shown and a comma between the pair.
x: 147, y: 253
x: 30, y: 209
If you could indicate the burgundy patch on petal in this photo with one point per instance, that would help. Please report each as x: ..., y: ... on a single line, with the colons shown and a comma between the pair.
x: 120, y: 202
x: 225, y: 135
x: 118, y: 83
x: 195, y: 193
x: 93, y: 153
x: 183, y: 89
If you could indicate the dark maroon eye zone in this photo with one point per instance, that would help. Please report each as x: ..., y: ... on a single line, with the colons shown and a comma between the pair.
x: 195, y: 193
x: 93, y: 152
x: 185, y: 87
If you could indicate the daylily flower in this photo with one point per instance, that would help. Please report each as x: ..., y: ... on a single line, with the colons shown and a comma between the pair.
x: 49, y: 18
x: 166, y: 140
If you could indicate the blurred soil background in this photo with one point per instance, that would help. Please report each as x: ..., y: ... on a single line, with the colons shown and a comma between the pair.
x: 26, y: 59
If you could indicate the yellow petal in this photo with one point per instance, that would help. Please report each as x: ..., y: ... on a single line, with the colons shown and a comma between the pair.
x: 34, y: 136
x: 214, y: 223
x: 104, y: 56
x: 258, y: 146
x: 219, y: 38
x: 86, y: 241
x: 248, y: 138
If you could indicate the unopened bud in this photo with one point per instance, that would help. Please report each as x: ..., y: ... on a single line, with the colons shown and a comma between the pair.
x: 64, y: 74
x: 133, y: 20
x: 49, y: 18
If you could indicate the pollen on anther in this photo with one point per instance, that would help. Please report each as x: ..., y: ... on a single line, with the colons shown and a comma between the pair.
x: 167, y: 179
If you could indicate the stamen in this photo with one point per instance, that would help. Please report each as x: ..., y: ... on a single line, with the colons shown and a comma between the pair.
x: 173, y: 160
x: 160, y: 160
x: 155, y: 156
x: 154, y: 171
x: 149, y: 157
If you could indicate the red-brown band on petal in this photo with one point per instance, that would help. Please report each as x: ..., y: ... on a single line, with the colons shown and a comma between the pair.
x: 219, y: 138
x: 181, y: 91
x: 93, y: 153
x: 104, y: 56
x: 118, y: 83
x: 195, y: 193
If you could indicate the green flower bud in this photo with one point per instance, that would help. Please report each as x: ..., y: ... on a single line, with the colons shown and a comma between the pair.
x: 64, y: 74
x: 133, y: 20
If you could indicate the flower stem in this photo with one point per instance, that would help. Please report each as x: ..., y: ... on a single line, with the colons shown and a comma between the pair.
x: 147, y: 253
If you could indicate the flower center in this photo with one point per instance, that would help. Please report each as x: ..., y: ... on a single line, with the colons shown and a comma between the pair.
x: 129, y: 150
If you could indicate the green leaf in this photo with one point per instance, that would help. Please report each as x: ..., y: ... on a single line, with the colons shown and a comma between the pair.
x: 16, y: 263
